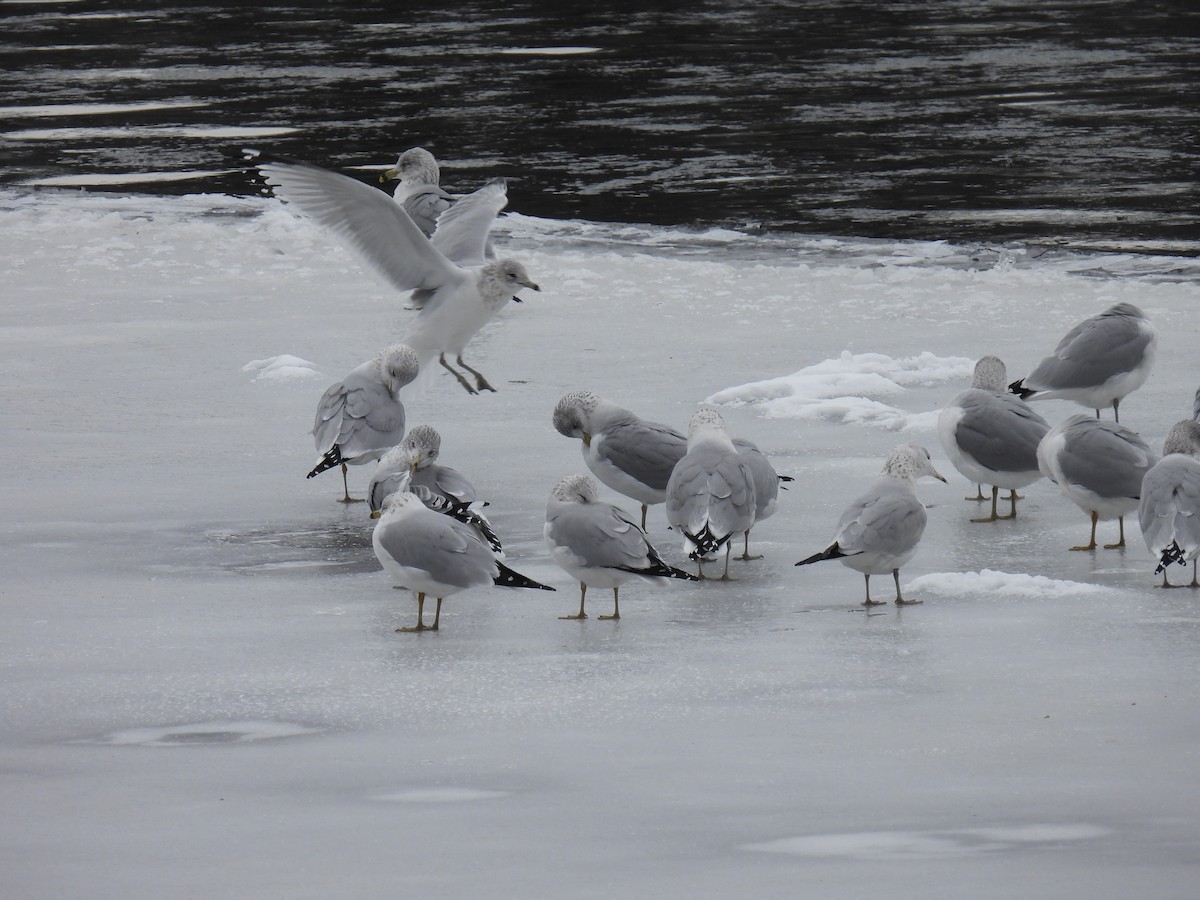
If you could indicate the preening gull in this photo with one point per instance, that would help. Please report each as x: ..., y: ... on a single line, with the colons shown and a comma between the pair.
x: 991, y: 436
x: 424, y: 445
x: 632, y: 456
x: 1099, y: 466
x: 1169, y: 510
x: 457, y: 292
x: 361, y: 416
x: 710, y: 495
x: 435, y: 555
x: 1099, y: 361
x: 419, y: 190
x: 880, y: 530
x: 767, y: 483
x: 599, y: 544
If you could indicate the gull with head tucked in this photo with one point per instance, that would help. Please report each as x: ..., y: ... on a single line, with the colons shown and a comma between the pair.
x: 880, y: 530
x: 361, y: 416
x: 710, y: 495
x: 456, y: 289
x: 1169, y: 510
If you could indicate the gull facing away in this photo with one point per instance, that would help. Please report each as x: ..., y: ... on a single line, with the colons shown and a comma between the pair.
x: 419, y: 190
x: 991, y: 436
x: 599, y: 544
x: 456, y: 289
x: 710, y: 495
x: 361, y: 416
x: 632, y: 456
x: 767, y: 483
x: 1099, y: 466
x: 1169, y: 510
x: 1098, y: 362
x: 880, y: 530
x: 435, y: 555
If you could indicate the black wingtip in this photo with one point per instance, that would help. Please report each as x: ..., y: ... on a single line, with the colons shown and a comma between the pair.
x: 328, y: 461
x: 833, y: 552
x: 509, y: 578
x: 1172, y: 554
x: 1018, y: 388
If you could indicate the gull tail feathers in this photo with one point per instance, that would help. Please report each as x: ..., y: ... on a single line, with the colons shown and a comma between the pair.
x: 332, y: 458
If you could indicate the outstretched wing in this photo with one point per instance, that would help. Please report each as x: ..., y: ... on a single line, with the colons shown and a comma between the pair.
x: 463, y: 229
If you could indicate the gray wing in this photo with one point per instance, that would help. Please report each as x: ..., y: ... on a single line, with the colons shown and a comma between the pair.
x: 1170, y: 505
x: 890, y: 524
x: 709, y: 490
x: 1108, y: 460
x: 600, y: 535
x: 383, y: 485
x: 445, y: 481
x: 1091, y: 353
x: 425, y: 205
x: 646, y: 451
x: 358, y: 415
x: 445, y: 548
x: 368, y: 219
x: 731, y: 489
x: 766, y: 479
x: 999, y: 432
x: 463, y: 229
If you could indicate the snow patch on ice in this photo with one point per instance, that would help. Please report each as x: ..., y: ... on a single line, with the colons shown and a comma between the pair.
x: 846, y: 389
x: 281, y: 368
x: 990, y: 581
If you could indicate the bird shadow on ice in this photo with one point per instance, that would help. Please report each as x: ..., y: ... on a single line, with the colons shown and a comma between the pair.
x: 291, y: 548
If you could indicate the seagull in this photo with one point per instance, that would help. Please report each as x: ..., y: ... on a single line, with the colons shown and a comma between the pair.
x: 991, y: 436
x: 1099, y: 466
x: 880, y: 530
x: 419, y: 192
x: 1169, y: 510
x: 628, y: 454
x: 599, y: 544
x: 1099, y: 361
x: 435, y: 555
x: 767, y: 483
x: 710, y: 495
x: 457, y: 291
x: 361, y: 416
x: 423, y: 445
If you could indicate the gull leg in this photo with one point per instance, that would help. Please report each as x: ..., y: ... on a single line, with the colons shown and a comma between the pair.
x: 1121, y: 542
x: 1091, y: 544
x: 993, y: 517
x: 437, y: 615
x: 1116, y: 415
x: 346, y: 490
x: 869, y: 601
x: 1166, y: 583
x: 746, y: 549
x: 420, y: 626
x: 900, y: 601
x: 728, y: 550
x: 457, y: 374
x: 978, y: 494
x: 582, y: 594
x: 1013, y: 497
x: 1195, y: 583
x: 616, y: 613
x: 644, y: 508
x: 480, y: 381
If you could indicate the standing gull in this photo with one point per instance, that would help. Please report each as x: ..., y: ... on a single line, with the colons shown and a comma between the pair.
x: 598, y: 544
x: 424, y: 445
x: 766, y: 487
x: 361, y: 416
x: 435, y: 555
x: 1099, y: 466
x: 1169, y: 511
x: 419, y: 191
x: 710, y: 495
x: 991, y: 436
x: 880, y: 530
x: 456, y: 291
x: 1097, y: 362
x: 628, y: 454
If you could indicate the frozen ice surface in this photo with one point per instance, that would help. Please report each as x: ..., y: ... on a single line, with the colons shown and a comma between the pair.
x: 204, y: 695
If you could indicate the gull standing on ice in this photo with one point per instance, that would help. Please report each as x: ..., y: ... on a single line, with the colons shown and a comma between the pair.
x: 991, y: 436
x: 628, y: 454
x: 766, y: 487
x: 1169, y: 511
x: 880, y: 530
x: 1099, y: 466
x: 456, y: 289
x: 599, y: 544
x: 361, y: 416
x: 710, y: 495
x: 419, y: 191
x: 422, y: 446
x: 435, y: 555
x: 1099, y: 361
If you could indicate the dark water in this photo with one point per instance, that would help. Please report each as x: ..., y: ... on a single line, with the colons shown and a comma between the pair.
x: 1022, y: 120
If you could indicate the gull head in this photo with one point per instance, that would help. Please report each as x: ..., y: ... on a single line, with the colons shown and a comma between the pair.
x: 400, y: 503
x: 398, y: 365
x: 415, y: 166
x: 990, y: 374
x: 576, y: 489
x: 706, y: 419
x: 910, y: 462
x: 1184, y: 437
x: 572, y: 415
x: 423, y: 444
x: 503, y: 278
